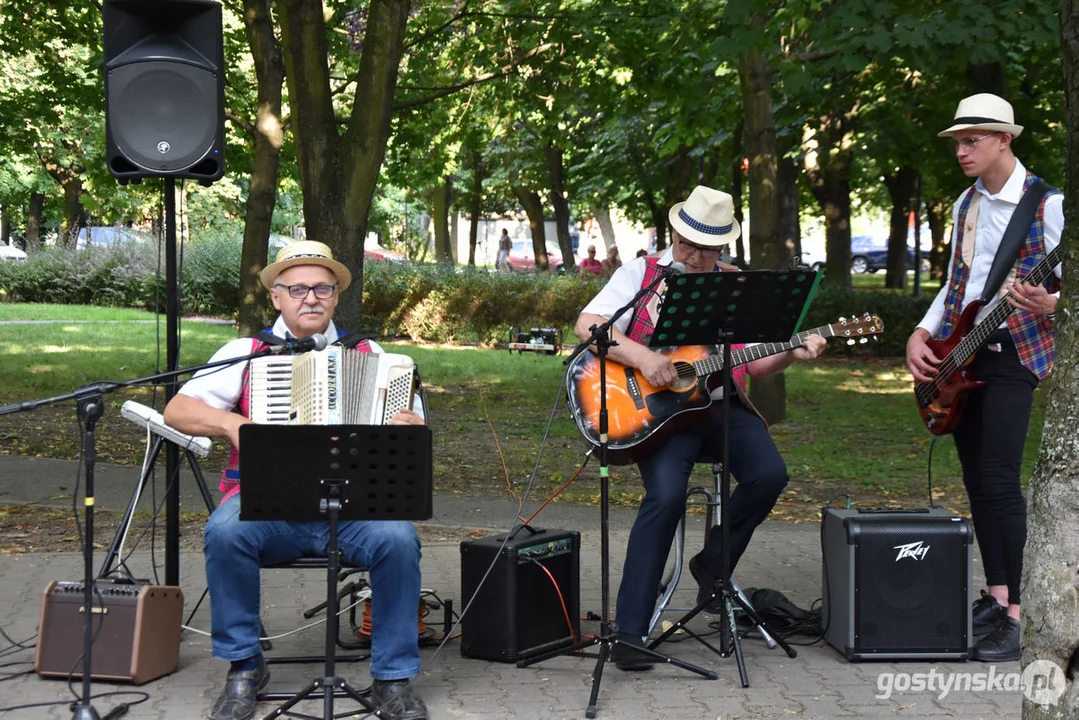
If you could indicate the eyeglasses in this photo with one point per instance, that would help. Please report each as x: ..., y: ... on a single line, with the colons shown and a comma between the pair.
x: 969, y: 143
x: 299, y: 292
x: 690, y: 248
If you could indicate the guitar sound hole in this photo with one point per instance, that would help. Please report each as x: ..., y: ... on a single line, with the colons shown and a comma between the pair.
x: 686, y: 377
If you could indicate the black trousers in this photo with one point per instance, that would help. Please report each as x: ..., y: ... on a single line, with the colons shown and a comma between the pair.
x: 989, y: 439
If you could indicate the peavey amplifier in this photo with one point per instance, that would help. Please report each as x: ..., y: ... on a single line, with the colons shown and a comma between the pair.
x: 136, y: 630
x: 897, y: 584
x: 529, y: 601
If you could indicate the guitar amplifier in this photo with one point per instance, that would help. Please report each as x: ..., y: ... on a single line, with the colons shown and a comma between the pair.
x: 529, y: 602
x: 136, y: 631
x: 897, y: 584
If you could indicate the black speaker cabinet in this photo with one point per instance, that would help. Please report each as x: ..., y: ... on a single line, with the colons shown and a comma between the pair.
x: 136, y: 631
x: 897, y: 584
x: 519, y: 609
x: 164, y: 89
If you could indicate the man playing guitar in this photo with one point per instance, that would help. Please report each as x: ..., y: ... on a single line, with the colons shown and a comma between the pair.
x: 992, y: 428
x: 701, y: 226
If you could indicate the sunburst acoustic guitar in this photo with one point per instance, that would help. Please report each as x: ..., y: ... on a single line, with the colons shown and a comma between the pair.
x: 640, y: 415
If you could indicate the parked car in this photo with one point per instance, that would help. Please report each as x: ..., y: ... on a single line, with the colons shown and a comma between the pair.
x: 868, y: 254
x: 523, y: 259
x: 10, y: 252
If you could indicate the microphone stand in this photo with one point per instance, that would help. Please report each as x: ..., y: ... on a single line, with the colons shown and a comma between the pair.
x: 601, y: 338
x: 89, y: 408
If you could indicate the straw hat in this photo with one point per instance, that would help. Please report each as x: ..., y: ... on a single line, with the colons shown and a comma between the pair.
x: 706, y: 218
x: 984, y: 111
x: 306, y: 252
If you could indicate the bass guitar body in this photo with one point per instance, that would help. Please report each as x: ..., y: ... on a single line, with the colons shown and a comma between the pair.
x: 636, y: 409
x: 940, y: 403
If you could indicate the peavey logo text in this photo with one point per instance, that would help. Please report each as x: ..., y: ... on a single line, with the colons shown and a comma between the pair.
x: 914, y: 550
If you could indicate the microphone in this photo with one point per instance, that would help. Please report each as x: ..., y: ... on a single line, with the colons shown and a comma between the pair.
x: 675, y: 268
x: 293, y: 346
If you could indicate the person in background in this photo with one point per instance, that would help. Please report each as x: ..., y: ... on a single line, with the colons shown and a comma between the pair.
x: 612, y: 262
x: 590, y: 266
x: 505, y: 245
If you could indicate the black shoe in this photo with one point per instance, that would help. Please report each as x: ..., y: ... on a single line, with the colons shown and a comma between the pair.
x: 1001, y: 645
x: 626, y: 656
x: 237, y: 701
x: 708, y: 584
x: 987, y: 614
x: 397, y: 701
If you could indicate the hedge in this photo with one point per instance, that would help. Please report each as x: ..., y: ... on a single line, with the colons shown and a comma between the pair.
x: 434, y: 303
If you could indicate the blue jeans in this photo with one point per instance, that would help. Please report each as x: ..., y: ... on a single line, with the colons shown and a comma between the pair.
x: 755, y: 464
x: 235, y: 552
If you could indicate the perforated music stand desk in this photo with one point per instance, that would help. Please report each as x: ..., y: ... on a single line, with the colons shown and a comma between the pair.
x: 385, y: 471
x: 331, y: 473
x: 735, y: 307
x: 731, y: 307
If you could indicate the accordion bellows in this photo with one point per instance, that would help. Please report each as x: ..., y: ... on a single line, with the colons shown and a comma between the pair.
x: 335, y: 386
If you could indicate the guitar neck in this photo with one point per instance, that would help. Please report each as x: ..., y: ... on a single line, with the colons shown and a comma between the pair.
x: 714, y: 363
x: 1003, y: 310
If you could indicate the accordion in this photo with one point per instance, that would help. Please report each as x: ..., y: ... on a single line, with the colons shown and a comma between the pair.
x: 335, y: 386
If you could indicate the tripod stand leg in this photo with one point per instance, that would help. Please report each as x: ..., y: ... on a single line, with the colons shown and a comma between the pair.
x: 125, y: 523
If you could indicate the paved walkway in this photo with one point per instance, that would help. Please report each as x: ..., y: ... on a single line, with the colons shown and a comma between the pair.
x: 819, y: 683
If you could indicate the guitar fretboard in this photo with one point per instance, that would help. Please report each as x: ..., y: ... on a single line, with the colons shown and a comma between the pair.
x: 714, y: 363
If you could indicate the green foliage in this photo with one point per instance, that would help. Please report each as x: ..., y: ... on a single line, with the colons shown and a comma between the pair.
x: 437, y: 303
x: 211, y: 274
x: 900, y: 312
x: 116, y: 276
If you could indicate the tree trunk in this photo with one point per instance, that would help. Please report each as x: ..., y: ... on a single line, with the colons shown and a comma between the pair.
x: 440, y: 213
x: 268, y: 135
x: 936, y: 211
x: 768, y: 394
x: 338, y: 174
x: 606, y: 227
x: 533, y: 206
x: 901, y: 188
x: 1051, y: 561
x: 74, y: 212
x: 33, y: 222
x: 475, y: 208
x: 789, y: 223
x: 828, y: 171
x: 5, y: 226
x: 552, y: 157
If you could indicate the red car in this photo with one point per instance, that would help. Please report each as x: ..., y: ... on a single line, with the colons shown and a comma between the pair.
x: 522, y: 259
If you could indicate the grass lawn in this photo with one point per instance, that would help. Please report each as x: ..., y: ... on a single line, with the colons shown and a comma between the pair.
x: 851, y: 423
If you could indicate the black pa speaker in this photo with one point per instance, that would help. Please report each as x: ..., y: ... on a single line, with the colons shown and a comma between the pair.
x: 897, y: 584
x: 164, y: 89
x: 529, y: 602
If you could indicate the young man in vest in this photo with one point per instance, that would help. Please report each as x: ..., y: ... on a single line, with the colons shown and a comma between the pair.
x: 701, y: 226
x: 304, y: 284
x: 993, y: 426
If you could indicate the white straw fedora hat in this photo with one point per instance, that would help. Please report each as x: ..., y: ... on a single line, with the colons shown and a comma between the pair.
x: 306, y: 252
x: 706, y: 217
x: 984, y: 111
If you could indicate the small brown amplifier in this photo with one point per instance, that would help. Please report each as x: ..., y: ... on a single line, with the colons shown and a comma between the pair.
x: 136, y: 630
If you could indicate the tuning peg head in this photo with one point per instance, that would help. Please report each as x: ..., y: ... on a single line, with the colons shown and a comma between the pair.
x: 850, y: 341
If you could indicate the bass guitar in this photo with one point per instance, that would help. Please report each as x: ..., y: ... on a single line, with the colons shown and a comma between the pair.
x: 940, y: 401
x: 640, y: 415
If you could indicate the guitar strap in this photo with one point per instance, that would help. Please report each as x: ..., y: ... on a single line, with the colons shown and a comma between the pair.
x: 1014, y: 236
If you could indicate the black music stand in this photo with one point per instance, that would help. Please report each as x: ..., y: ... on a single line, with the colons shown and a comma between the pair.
x: 334, y: 472
x: 727, y: 308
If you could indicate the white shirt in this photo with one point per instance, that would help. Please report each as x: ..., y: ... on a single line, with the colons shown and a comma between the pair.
x: 994, y: 214
x: 620, y: 289
x: 220, y: 387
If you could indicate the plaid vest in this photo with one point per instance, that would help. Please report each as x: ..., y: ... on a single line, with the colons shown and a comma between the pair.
x: 1034, y: 337
x: 230, y: 478
x: 641, y: 324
